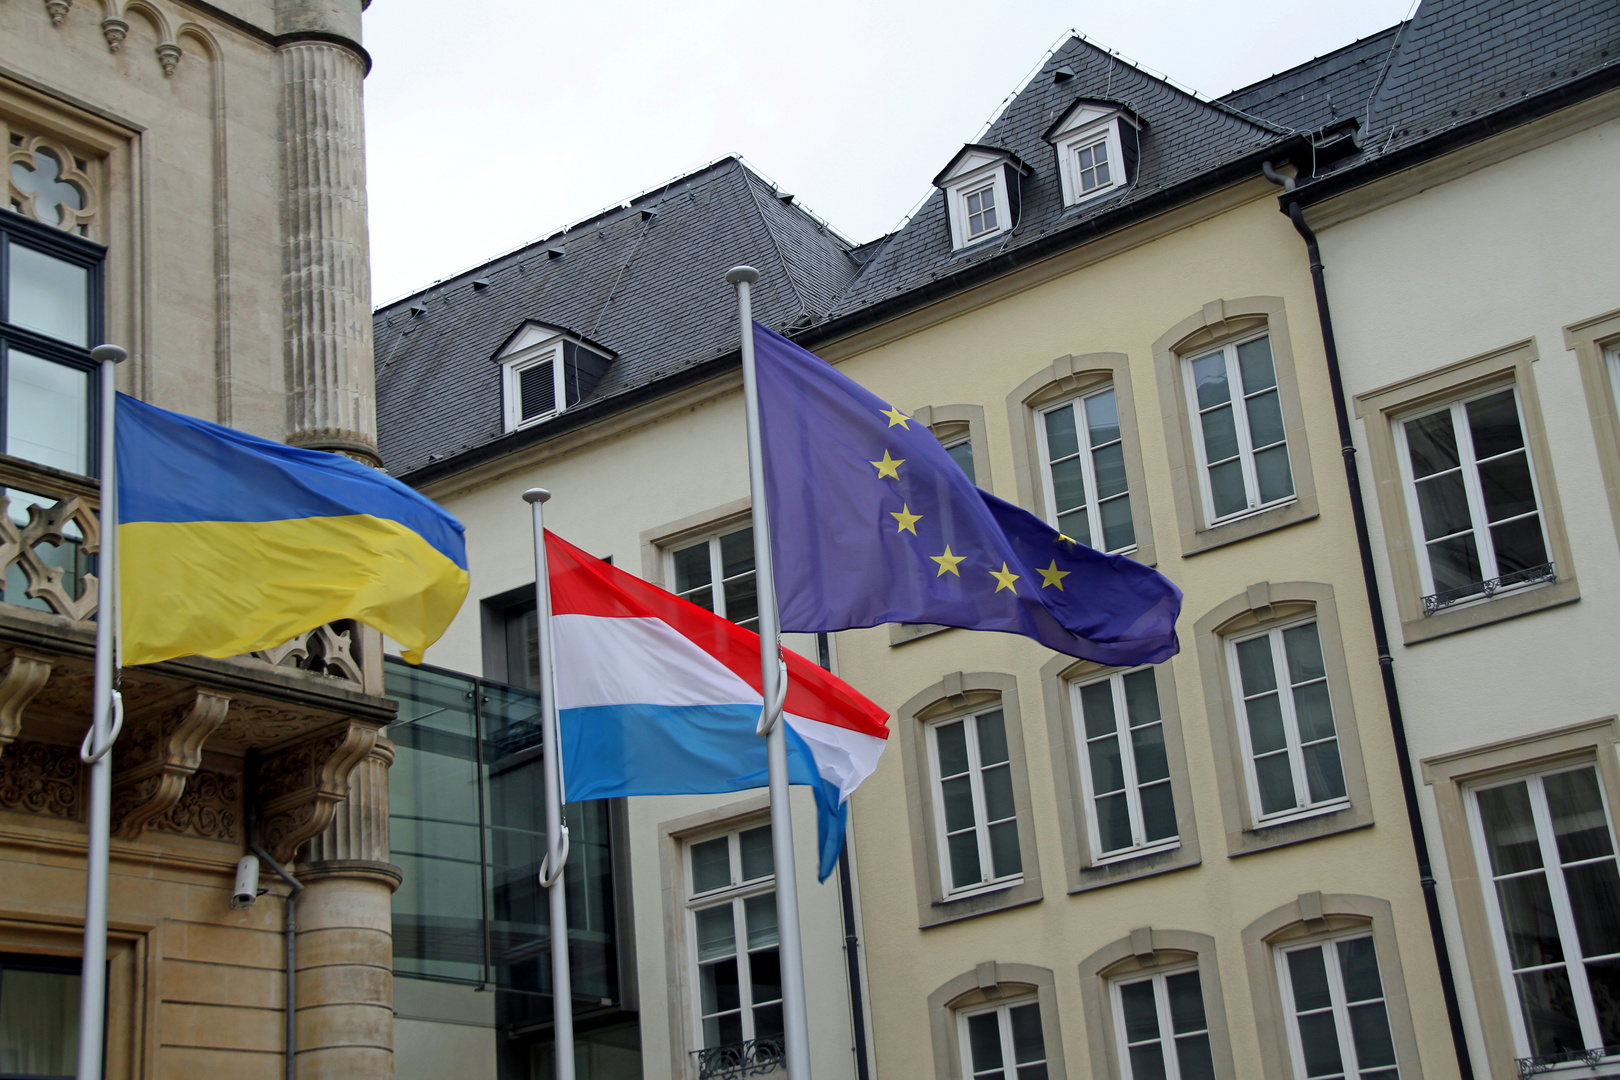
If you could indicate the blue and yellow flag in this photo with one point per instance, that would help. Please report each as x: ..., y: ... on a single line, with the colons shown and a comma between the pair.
x: 230, y: 543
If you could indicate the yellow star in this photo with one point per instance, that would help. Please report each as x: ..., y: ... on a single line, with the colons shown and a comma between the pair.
x: 1067, y: 539
x: 1053, y: 576
x: 908, y: 520
x: 897, y: 417
x: 888, y: 466
x: 1004, y: 578
x: 947, y: 562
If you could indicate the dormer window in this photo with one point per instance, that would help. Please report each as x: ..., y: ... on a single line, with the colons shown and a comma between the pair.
x: 1096, y: 143
x: 545, y: 370
x: 981, y: 187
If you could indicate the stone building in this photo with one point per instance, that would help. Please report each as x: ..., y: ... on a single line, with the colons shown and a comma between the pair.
x: 185, y: 180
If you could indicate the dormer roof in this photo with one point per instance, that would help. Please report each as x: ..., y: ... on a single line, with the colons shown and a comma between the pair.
x: 975, y: 156
x: 1089, y: 111
x: 533, y: 332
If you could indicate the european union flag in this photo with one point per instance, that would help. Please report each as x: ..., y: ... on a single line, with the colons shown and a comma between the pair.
x: 872, y: 522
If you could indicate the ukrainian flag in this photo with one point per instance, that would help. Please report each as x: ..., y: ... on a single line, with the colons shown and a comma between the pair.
x: 230, y: 543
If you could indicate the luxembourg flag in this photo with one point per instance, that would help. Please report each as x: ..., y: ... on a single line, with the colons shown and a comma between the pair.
x: 656, y: 696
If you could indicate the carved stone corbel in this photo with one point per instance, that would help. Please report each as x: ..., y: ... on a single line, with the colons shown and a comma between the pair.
x: 162, y: 751
x: 57, y: 10
x: 24, y: 677
x: 301, y: 786
x: 114, y: 30
x: 168, y: 54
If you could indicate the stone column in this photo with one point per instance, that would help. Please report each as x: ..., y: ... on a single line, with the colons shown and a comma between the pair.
x: 326, y: 286
x: 345, y: 942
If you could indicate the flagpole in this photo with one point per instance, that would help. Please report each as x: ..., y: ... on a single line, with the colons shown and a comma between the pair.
x: 106, y: 718
x: 773, y: 689
x: 551, y: 869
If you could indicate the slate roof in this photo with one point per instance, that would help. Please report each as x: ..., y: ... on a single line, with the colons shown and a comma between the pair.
x: 650, y: 289
x: 1317, y: 93
x: 1186, y: 137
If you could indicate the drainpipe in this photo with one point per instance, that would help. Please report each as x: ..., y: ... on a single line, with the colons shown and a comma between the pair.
x: 1375, y: 605
x: 290, y: 925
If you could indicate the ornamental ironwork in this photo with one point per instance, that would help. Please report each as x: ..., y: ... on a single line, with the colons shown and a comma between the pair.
x: 754, y: 1057
x: 1590, y: 1057
x: 1484, y: 590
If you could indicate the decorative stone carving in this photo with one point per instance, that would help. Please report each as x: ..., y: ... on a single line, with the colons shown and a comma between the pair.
x: 23, y: 679
x: 301, y: 786
x: 48, y: 182
x: 210, y: 807
x: 45, y: 526
x: 168, y: 54
x: 42, y: 778
x: 359, y: 828
x: 327, y: 649
x: 57, y: 9
x: 162, y: 749
x: 114, y: 30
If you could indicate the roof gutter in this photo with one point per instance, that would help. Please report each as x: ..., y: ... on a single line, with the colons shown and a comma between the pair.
x: 1375, y: 605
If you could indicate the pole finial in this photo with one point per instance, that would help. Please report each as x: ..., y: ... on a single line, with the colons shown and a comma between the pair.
x: 115, y: 353
x: 536, y: 495
x: 741, y: 273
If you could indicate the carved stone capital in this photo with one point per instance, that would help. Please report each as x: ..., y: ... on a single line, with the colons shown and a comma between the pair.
x: 168, y: 55
x: 302, y: 785
x: 114, y: 30
x: 24, y: 677
x: 57, y: 9
x: 162, y: 750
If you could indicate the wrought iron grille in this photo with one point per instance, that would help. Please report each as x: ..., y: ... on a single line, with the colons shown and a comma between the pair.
x: 755, y: 1057
x: 1486, y: 589
x: 1591, y: 1058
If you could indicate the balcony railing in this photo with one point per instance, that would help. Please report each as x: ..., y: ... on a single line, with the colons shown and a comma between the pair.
x: 1484, y: 590
x: 1572, y: 1061
x: 756, y: 1057
x: 50, y: 534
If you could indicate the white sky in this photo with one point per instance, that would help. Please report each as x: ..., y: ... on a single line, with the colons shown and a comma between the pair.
x: 495, y: 123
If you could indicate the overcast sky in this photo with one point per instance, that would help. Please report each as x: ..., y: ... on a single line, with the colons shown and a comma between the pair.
x: 492, y: 124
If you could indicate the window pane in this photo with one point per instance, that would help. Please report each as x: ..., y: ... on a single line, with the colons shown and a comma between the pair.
x: 1226, y: 489
x: 1510, y: 831
x: 1314, y: 712
x: 1194, y: 1057
x: 1068, y: 485
x: 1254, y: 666
x: 992, y: 738
x: 1147, y: 746
x: 1443, y: 505
x: 1604, y: 979
x: 962, y: 454
x: 1303, y: 647
x: 759, y: 913
x: 737, y: 553
x: 984, y: 1041
x: 1147, y: 1062
x: 1118, y: 530
x: 1186, y: 1002
x: 1454, y: 563
x: 951, y: 740
x: 1209, y: 380
x: 1113, y: 823
x: 1324, y: 774
x: 1319, y: 1039
x: 1220, y: 434
x: 1109, y: 463
x: 1527, y: 919
x: 1578, y: 822
x: 1266, y: 732
x: 692, y: 567
x: 711, y: 865
x: 1061, y: 441
x: 1369, y: 1032
x: 1076, y: 526
x: 1274, y: 474
x: 722, y: 1030
x: 1494, y: 423
x: 1141, y: 698
x: 47, y: 412
x: 756, y: 853
x: 715, y: 934
x: 1519, y: 545
x: 765, y: 976
x: 1432, y: 442
x: 1158, y: 812
x: 719, y: 989
x: 1265, y: 419
x: 1549, y: 1011
x: 1594, y: 894
x: 1102, y: 418
x: 1254, y: 361
x: 1141, y: 1014
x: 1004, y: 854
x: 1358, y: 962
x: 1097, y: 708
x: 49, y: 295
x: 39, y: 1022
x: 1505, y: 483
x: 958, y: 797
x: 998, y: 793
x: 1107, y: 771
x: 964, y: 852
x: 742, y: 600
x: 1276, y: 781
x: 1026, y: 1033
x: 768, y: 1021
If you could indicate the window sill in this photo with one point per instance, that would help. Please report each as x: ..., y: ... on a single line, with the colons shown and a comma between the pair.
x: 1268, y: 519
x: 1130, y: 866
x: 999, y: 896
x: 1296, y: 828
x: 900, y: 633
x: 1483, y: 612
x: 1132, y: 854
x: 985, y: 890
x: 1300, y: 815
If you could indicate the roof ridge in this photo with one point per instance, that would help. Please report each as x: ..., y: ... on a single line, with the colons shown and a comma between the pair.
x: 776, y: 245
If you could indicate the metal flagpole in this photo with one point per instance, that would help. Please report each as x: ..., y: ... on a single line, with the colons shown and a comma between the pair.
x: 106, y: 718
x: 551, y: 869
x: 773, y: 687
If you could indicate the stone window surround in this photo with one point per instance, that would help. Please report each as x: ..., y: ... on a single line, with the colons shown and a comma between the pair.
x: 673, y: 836
x: 992, y: 982
x: 1141, y: 953
x: 954, y: 420
x: 1268, y: 603
x: 1316, y: 916
x: 655, y: 542
x: 1381, y: 408
x: 1450, y: 775
x: 1589, y: 340
x: 959, y: 693
x: 1221, y: 321
x: 1057, y: 678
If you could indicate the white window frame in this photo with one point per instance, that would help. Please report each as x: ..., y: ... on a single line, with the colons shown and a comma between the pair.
x: 1611, y: 360
x: 717, y: 581
x: 736, y: 894
x: 1003, y: 1011
x: 992, y: 176
x: 1133, y: 790
x: 1285, y: 698
x: 1484, y: 545
x: 1240, y: 418
x: 511, y: 385
x: 963, y: 439
x: 1340, y: 1007
x: 981, y: 822
x: 1068, y: 150
x: 1161, y: 1003
x: 1087, y: 464
x: 1557, y: 888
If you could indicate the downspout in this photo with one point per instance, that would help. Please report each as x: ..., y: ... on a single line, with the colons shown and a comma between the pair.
x: 1375, y: 605
x: 852, y: 943
x: 290, y: 926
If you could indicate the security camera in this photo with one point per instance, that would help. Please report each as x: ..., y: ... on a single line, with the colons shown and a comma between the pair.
x: 247, y: 882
